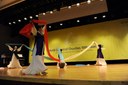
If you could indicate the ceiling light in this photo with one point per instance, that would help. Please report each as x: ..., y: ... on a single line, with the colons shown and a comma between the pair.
x: 49, y: 26
x: 30, y: 17
x: 78, y: 4
x: 61, y: 24
x: 44, y: 13
x: 14, y: 22
x: 69, y: 7
x: 51, y: 12
x: 95, y: 17
x: 9, y: 23
x: 25, y: 18
x: 89, y: 1
x: 103, y: 16
x: 36, y: 15
x: 78, y: 20
x: 19, y: 20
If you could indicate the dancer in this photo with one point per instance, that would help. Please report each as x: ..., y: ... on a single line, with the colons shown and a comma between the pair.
x: 62, y: 63
x: 37, y: 65
x: 100, y: 58
x: 14, y: 63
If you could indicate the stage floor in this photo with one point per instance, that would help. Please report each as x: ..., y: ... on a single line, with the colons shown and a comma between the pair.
x: 112, y: 74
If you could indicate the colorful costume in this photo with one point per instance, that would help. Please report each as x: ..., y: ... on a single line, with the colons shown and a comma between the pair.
x: 29, y: 28
x: 62, y: 63
x: 100, y: 58
x: 37, y: 65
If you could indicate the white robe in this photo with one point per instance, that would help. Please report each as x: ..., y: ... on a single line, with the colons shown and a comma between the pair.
x: 101, y: 62
x: 14, y: 63
x: 37, y: 65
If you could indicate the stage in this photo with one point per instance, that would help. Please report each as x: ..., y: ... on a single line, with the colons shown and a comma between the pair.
x: 112, y: 74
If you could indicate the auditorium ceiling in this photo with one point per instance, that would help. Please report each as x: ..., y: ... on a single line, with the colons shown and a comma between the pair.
x: 11, y: 11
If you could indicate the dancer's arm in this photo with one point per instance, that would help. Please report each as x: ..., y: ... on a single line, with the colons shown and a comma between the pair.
x: 10, y: 48
x: 41, y: 30
x: 34, y: 30
x: 19, y: 49
x: 96, y: 44
x: 28, y: 48
x: 44, y: 29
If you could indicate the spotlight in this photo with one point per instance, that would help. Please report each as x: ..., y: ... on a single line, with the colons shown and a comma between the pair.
x: 61, y: 24
x: 51, y: 12
x: 9, y: 23
x: 50, y: 26
x: 19, y: 20
x: 78, y: 20
x: 95, y: 17
x: 89, y: 1
x: 69, y: 7
x: 44, y: 13
x: 30, y: 17
x: 25, y: 18
x: 36, y: 15
x: 78, y: 4
x: 103, y: 16
x: 14, y: 22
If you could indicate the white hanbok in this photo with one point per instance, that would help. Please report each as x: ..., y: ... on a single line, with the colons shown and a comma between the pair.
x: 101, y: 62
x: 14, y: 63
x: 37, y: 65
x: 100, y: 58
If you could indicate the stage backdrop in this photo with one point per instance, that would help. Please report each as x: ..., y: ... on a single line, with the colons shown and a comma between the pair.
x: 113, y: 35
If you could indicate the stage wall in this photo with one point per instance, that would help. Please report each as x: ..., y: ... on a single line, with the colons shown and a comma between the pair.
x: 113, y: 35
